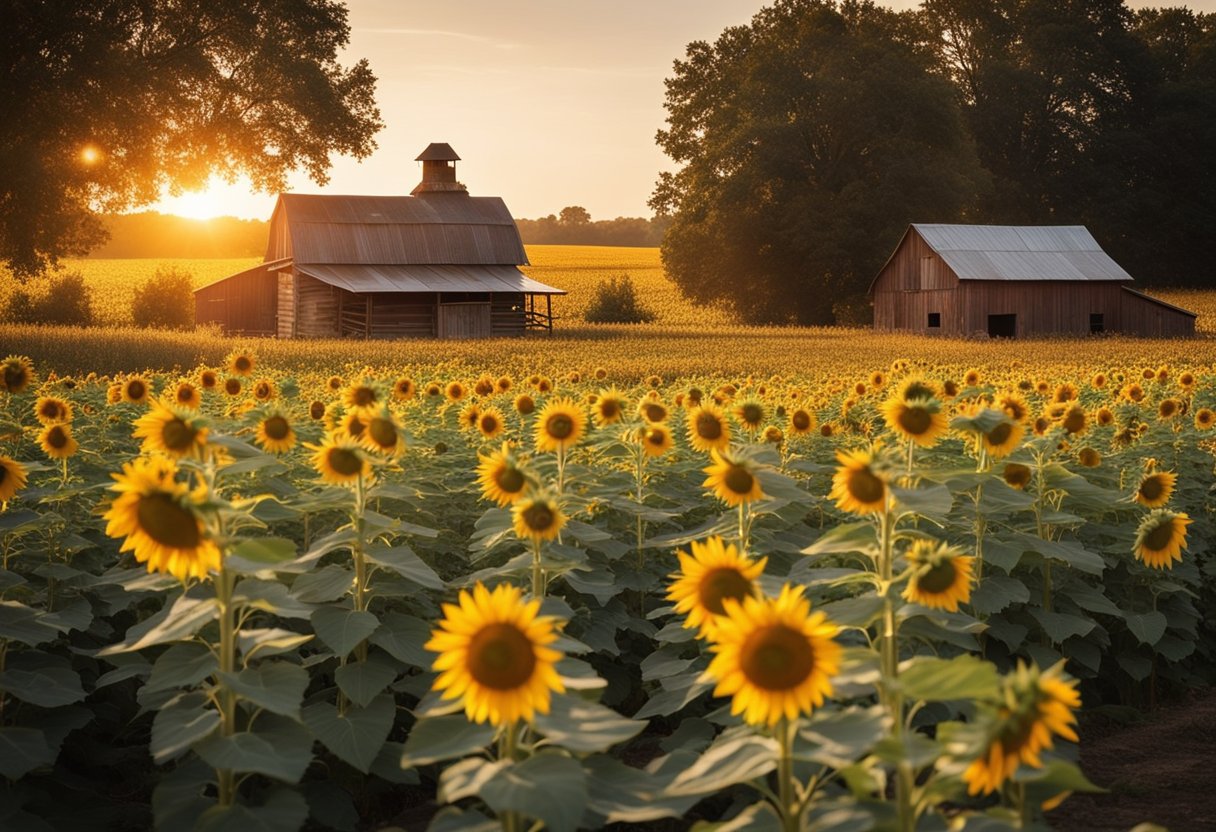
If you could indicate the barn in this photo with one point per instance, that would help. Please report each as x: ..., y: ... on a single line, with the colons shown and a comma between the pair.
x: 437, y: 263
x: 1012, y: 281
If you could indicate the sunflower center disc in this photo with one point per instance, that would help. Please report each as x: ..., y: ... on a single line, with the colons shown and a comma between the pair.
x: 915, y: 420
x: 56, y: 438
x: 1074, y: 422
x: 383, y: 432
x: 865, y: 487
x: 364, y: 396
x: 655, y: 413
x: 50, y: 410
x: 345, y: 461
x: 489, y: 424
x: 164, y: 520
x: 777, y: 657
x: 720, y: 584
x: 801, y: 420
x: 708, y: 427
x: 136, y: 390
x: 1159, y: 539
x: 510, y: 479
x: 232, y: 387
x: 609, y: 409
x: 3, y: 473
x: 316, y: 410
x: 656, y: 437
x: 276, y: 428
x: 242, y: 364
x: 999, y: 435
x: 559, y: 426
x: 938, y: 579
x: 501, y: 657
x: 918, y: 391
x: 753, y: 414
x: 177, y: 435
x: 1152, y: 488
x: 538, y: 517
x: 739, y: 480
x: 14, y: 378
x: 355, y: 427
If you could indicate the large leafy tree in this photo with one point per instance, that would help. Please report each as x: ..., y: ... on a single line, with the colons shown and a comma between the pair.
x: 807, y: 141
x: 106, y: 102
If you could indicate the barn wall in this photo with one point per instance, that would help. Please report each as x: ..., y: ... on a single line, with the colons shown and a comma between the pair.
x: 243, y: 303
x: 279, y: 245
x: 1042, y: 307
x: 915, y: 282
x: 507, y: 314
x: 1139, y: 315
x: 316, y: 305
x: 403, y: 315
x: 286, y: 300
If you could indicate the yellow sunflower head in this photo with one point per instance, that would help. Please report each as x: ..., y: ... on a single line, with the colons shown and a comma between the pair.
x: 484, y: 386
x: 1168, y: 408
x: 334, y: 383
x: 57, y: 441
x: 502, y: 476
x: 187, y: 395
x: 859, y: 486
x: 274, y: 432
x: 941, y: 576
x: 160, y: 520
x: 1161, y: 537
x: 709, y: 574
x: 524, y: 404
x: 1186, y: 380
x: 1036, y: 706
x: 136, y: 389
x: 340, y: 460
x: 651, y: 410
x: 241, y: 363
x: 51, y: 409
x: 773, y: 657
x: 750, y: 414
x: 491, y: 423
x: 732, y: 478
x: 404, y: 389
x: 264, y: 390
x: 1204, y: 418
x: 232, y: 386
x: 1074, y: 421
x: 504, y: 384
x: 208, y: 379
x: 1155, y: 489
x: 915, y: 420
x: 317, y: 410
x: 544, y: 385
x: 13, y: 477
x: 536, y: 516
x: 173, y: 431
x: 1003, y: 438
x: 559, y: 425
x: 363, y: 395
x: 469, y: 415
x: 494, y: 655
x: 708, y: 429
x: 454, y: 391
x: 16, y: 373
x: 1014, y: 406
x: 609, y: 407
x: 1089, y: 457
x: 802, y: 421
x: 382, y: 433
x: 656, y: 439
x: 917, y: 388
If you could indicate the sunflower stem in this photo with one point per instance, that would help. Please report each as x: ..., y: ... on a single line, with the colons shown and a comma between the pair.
x: 360, y: 559
x: 225, y: 777
x: 905, y: 781
x: 538, y: 575
x: 790, y: 814
x: 507, y: 741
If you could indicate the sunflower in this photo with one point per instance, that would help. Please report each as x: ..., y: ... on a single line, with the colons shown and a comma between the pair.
x: 971, y: 378
x: 57, y: 441
x: 353, y: 424
x: 802, y: 421
x: 490, y: 423
x: 1036, y: 704
x: 114, y: 393
x: 340, y: 460
x: 609, y: 407
x: 1098, y: 381
x: 1204, y: 418
x: 1133, y: 393
x: 915, y: 420
x: 264, y: 390
x: 1074, y: 420
x: 708, y: 429
x: 733, y: 479
x: 537, y: 517
x: 1089, y: 457
x: 12, y: 477
x: 382, y: 433
x: 187, y: 395
x: 494, y: 655
x: 941, y: 577
x: 1003, y: 439
x: 773, y: 657
x: 1066, y: 392
x: 652, y: 411
x: 316, y: 410
x: 1168, y: 409
x: 1186, y: 380
x: 16, y: 373
x: 232, y: 386
x: 502, y: 477
x: 750, y: 414
x: 363, y: 395
x: 469, y: 415
x: 334, y: 383
x: 404, y: 389
x: 172, y: 431
x: 524, y: 404
x: 1155, y: 489
x: 159, y: 518
x: 51, y: 409
x: 1104, y: 417
x: 916, y: 388
x: 656, y: 439
x: 709, y: 574
x: 208, y: 379
x: 241, y: 363
x: 274, y: 432
x: 1014, y: 406
x: 773, y: 435
x: 484, y: 386
x: 559, y: 425
x: 856, y: 486
x: 136, y: 389
x: 1161, y: 537
x: 454, y: 391
x: 544, y: 385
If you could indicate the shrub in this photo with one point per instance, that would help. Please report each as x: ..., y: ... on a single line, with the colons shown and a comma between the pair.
x: 66, y: 301
x: 165, y: 301
x: 616, y: 302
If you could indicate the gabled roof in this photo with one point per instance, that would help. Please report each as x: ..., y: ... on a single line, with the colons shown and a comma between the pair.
x: 438, y: 152
x: 1016, y: 252
x: 433, y: 229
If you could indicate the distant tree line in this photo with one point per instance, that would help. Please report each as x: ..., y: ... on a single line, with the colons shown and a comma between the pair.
x: 809, y: 140
x: 574, y: 226
x: 151, y: 234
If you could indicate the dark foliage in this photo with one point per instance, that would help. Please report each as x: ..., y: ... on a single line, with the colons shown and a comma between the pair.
x: 616, y: 302
x: 574, y: 226
x: 165, y: 301
x: 65, y: 300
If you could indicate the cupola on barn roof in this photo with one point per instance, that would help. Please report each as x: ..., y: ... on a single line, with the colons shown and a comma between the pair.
x: 438, y: 152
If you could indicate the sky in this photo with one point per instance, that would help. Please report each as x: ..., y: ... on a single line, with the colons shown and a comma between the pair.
x: 549, y: 103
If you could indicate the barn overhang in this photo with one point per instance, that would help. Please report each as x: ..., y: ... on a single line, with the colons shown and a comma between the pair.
x: 361, y: 278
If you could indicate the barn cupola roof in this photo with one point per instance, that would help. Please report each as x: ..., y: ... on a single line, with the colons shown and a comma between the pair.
x: 438, y: 171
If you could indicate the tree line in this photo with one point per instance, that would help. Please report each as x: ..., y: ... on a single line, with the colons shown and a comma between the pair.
x: 810, y: 138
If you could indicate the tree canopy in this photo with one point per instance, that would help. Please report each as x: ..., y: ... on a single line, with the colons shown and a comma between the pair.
x: 811, y: 137
x: 108, y: 102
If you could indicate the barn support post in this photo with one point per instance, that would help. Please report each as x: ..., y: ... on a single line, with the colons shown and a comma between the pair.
x: 549, y: 312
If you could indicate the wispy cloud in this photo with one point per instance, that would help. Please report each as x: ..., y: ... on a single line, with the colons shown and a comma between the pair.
x: 440, y: 33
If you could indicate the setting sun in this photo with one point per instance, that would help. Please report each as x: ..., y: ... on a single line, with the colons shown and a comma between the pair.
x: 216, y: 199
x: 90, y: 155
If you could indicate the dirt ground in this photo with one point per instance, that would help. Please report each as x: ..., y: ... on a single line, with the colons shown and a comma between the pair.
x: 1161, y: 770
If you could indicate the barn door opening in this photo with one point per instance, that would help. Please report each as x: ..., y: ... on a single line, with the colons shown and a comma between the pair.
x: 1002, y: 326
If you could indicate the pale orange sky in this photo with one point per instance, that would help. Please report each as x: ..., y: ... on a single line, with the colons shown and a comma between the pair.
x: 548, y: 102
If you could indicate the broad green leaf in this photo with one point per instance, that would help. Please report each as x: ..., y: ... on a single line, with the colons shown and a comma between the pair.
x: 256, y: 553
x: 733, y: 758
x: 357, y: 735
x: 278, y: 748
x: 454, y: 819
x: 175, y: 622
x: 1059, y: 775
x: 270, y: 641
x: 578, y: 725
x: 931, y: 501
x: 47, y: 687
x: 325, y: 584
x: 996, y: 592
x: 466, y: 777
x: 402, y: 637
x: 846, y: 537
x: 179, y: 798
x: 1061, y: 625
x: 272, y: 597
x: 283, y: 810
x: 437, y: 738
x: 1149, y: 627
x: 342, y: 629
x: 363, y: 681
x: 185, y: 720
x: 621, y: 794
x: 938, y: 680
x: 181, y: 666
x: 22, y: 750
x: 277, y: 687
x: 403, y: 561
x: 841, y: 737
x: 548, y: 786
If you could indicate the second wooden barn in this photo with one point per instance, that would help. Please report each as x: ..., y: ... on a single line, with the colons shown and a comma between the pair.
x: 1013, y: 281
x: 437, y: 263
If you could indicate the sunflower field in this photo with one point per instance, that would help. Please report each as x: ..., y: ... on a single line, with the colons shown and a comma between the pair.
x: 256, y: 595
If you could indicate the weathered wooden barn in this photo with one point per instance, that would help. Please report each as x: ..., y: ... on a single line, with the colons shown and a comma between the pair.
x: 437, y: 263
x: 1012, y: 281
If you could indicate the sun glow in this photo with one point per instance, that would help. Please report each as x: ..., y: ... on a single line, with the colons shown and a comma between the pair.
x: 215, y: 199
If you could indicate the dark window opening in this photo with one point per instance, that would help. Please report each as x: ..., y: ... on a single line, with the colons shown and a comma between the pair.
x: 1003, y: 326
x: 1096, y: 323
x: 935, y: 320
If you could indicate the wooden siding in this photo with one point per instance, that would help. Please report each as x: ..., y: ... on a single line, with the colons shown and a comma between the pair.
x: 464, y: 320
x: 287, y: 305
x: 914, y: 283
x: 402, y: 315
x: 316, y: 308
x: 508, y: 315
x: 243, y: 303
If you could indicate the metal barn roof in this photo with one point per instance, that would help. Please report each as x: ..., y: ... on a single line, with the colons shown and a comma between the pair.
x: 438, y: 152
x: 1013, y: 252
x: 364, y: 278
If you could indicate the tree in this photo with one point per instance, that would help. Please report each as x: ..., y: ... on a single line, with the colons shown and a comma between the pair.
x: 165, y: 301
x: 106, y: 102
x: 808, y: 141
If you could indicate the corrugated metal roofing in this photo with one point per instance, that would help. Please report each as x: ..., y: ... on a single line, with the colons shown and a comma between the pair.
x: 425, y: 278
x: 1011, y: 252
